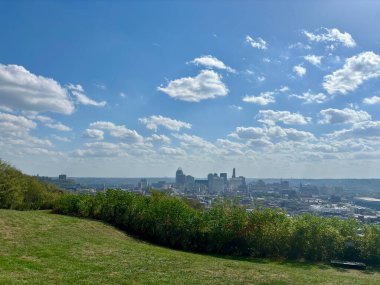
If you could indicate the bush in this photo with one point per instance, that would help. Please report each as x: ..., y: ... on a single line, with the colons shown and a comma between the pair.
x: 228, y: 228
x: 22, y: 192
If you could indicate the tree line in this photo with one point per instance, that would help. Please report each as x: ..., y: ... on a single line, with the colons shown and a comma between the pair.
x: 226, y: 228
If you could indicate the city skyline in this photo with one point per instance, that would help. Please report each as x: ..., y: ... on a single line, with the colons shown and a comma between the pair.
x: 131, y: 89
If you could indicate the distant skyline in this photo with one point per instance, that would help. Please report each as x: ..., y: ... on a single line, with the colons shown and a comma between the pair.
x: 139, y: 88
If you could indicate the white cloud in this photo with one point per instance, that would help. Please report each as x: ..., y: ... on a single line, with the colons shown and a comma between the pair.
x: 93, y: 134
x: 270, y: 117
x: 117, y: 131
x: 159, y: 138
x: 78, y: 92
x: 331, y: 36
x: 355, y: 71
x: 344, y: 116
x: 263, y: 99
x: 15, y: 124
x: 299, y: 45
x: 258, y: 43
x: 192, y: 141
x: 153, y: 122
x: 100, y: 149
x: 272, y: 133
x: 299, y: 70
x: 206, y: 85
x: 236, y: 107
x: 122, y: 95
x: 366, y: 130
x: 261, y: 78
x: 172, y: 151
x: 371, y: 100
x: 283, y: 89
x: 309, y: 97
x: 15, y: 135
x: 60, y: 138
x: 22, y: 90
x: 48, y: 122
x: 58, y: 126
x: 212, y: 62
x: 313, y: 59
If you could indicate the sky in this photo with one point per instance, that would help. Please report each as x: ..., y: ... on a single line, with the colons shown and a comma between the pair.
x: 277, y: 89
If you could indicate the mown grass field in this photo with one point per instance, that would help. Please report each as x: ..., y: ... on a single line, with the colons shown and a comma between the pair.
x: 37, y: 247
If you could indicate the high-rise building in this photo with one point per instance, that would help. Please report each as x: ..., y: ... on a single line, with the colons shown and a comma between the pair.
x: 233, y: 173
x: 215, y: 184
x: 143, y: 184
x: 224, y: 176
x: 190, y: 180
x: 180, y: 178
x: 62, y: 177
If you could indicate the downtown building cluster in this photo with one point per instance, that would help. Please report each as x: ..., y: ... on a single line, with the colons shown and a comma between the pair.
x: 214, y: 184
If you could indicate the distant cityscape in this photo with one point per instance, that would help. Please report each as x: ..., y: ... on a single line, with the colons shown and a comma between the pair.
x: 343, y: 198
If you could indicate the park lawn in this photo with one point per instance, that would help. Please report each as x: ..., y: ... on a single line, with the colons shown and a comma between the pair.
x: 37, y: 247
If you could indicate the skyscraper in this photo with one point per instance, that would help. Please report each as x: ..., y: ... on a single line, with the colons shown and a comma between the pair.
x: 233, y: 173
x: 180, y: 178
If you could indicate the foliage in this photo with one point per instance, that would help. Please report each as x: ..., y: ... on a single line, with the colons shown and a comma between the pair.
x: 23, y: 192
x: 37, y: 247
x: 227, y: 228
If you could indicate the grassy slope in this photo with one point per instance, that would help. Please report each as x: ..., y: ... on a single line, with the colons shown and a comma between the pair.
x: 41, y: 248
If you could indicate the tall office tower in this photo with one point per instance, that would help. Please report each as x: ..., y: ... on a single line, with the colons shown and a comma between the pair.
x: 180, y: 178
x: 224, y: 176
x: 233, y: 173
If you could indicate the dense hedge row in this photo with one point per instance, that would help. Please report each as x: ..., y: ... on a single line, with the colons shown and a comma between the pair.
x: 22, y: 192
x: 228, y: 229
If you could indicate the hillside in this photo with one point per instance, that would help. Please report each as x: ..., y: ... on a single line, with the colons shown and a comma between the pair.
x: 23, y: 192
x: 37, y: 247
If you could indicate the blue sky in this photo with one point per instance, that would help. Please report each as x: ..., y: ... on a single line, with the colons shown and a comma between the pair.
x: 130, y: 89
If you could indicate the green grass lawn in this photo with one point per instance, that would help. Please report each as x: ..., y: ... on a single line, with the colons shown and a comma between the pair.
x: 37, y: 247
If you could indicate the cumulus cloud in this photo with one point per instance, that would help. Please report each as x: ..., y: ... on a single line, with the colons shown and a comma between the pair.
x: 48, y: 122
x: 309, y: 97
x: 366, y: 130
x: 258, y: 43
x: 58, y: 126
x: 313, y: 59
x: 153, y: 122
x: 78, y: 92
x: 264, y: 98
x: 117, y: 131
x: 206, y: 85
x: 192, y: 141
x: 356, y: 70
x: 15, y: 124
x: 212, y: 62
x: 333, y: 36
x: 93, y: 134
x: 299, y: 70
x: 172, y: 151
x: 344, y: 116
x: 274, y: 133
x: 159, y: 138
x: 371, y: 100
x: 23, y: 90
x: 270, y: 117
x: 99, y: 149
x: 15, y: 135
x: 60, y: 138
